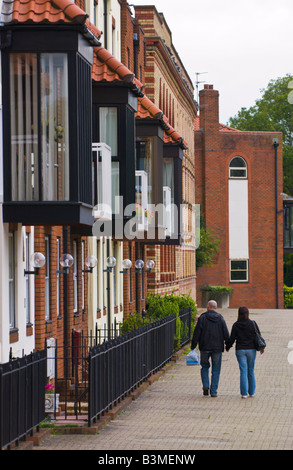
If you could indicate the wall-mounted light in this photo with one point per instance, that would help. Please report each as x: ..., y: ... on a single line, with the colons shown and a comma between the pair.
x: 66, y: 261
x: 91, y: 262
x: 37, y: 261
x: 139, y: 264
x: 150, y: 264
x: 126, y: 265
x: 110, y: 263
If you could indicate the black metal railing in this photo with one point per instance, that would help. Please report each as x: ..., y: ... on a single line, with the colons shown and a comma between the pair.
x: 22, y: 397
x: 102, y: 372
x: 118, y: 366
x: 185, y: 326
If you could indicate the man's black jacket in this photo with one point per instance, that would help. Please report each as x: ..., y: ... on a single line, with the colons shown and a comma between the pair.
x: 210, y: 332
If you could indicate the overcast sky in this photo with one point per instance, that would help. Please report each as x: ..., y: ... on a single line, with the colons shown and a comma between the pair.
x: 240, y: 45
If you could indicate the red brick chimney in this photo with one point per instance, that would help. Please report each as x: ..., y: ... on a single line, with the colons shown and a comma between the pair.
x: 209, y: 109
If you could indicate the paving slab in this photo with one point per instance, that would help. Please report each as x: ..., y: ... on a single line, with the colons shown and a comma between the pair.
x: 172, y: 414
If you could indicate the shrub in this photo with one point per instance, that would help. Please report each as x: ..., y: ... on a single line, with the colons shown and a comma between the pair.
x: 216, y: 289
x: 157, y: 307
x: 288, y: 297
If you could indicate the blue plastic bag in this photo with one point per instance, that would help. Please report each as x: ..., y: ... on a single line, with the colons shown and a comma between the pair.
x: 192, y: 358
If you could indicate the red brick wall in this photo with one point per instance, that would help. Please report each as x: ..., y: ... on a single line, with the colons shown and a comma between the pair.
x: 129, y: 26
x: 214, y: 149
x: 54, y: 327
x: 134, y: 297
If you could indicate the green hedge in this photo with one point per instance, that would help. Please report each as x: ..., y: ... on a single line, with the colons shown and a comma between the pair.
x: 288, y: 297
x: 216, y: 289
x: 157, y: 307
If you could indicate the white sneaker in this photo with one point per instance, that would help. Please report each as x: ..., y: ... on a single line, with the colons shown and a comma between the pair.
x: 244, y: 396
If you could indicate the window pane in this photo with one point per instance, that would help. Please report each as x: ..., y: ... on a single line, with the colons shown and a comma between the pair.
x: 75, y: 308
x: 24, y: 127
x: 27, y: 280
x: 238, y: 264
x: 54, y: 124
x: 58, y: 278
x: 237, y: 173
x: 47, y: 279
x: 82, y: 275
x: 237, y: 162
x: 11, y: 281
x: 239, y: 270
x: 109, y: 128
x: 238, y: 276
x: 237, y: 168
x: 168, y: 175
x: 144, y: 162
x: 115, y: 187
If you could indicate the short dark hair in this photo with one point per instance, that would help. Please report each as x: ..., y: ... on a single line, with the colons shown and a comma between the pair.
x: 243, y: 314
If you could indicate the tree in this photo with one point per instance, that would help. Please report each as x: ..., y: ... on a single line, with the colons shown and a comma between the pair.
x: 273, y: 112
x: 208, y: 249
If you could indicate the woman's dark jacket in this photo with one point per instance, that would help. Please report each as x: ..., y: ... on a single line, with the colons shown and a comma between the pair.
x: 243, y: 333
x: 210, y: 332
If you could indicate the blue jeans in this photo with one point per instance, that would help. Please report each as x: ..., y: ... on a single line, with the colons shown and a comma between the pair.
x: 216, y: 359
x: 246, y: 360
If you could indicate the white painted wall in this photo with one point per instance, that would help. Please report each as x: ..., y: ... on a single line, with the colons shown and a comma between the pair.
x: 238, y: 219
x: 113, y: 36
x: 25, y: 344
x: 97, y: 284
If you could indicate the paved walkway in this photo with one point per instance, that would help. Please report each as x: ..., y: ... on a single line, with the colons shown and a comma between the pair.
x: 172, y: 414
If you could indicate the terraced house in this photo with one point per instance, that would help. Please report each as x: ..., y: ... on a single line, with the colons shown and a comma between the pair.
x: 104, y: 160
x: 90, y: 150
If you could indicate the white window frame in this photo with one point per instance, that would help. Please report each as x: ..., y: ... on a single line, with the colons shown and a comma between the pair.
x: 103, y: 160
x: 51, y: 348
x: 75, y: 275
x: 47, y: 278
x: 243, y: 168
x: 241, y: 270
x: 27, y: 279
x: 58, y: 247
x: 82, y: 275
x: 141, y: 196
x: 11, y: 281
x: 167, y: 210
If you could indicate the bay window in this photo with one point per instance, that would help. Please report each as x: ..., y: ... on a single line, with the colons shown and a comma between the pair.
x: 114, y: 126
x: 48, y: 137
x: 172, y: 188
x: 39, y: 149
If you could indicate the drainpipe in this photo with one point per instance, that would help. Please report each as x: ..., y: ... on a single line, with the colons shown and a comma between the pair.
x: 108, y: 293
x: 276, y: 145
x: 135, y: 48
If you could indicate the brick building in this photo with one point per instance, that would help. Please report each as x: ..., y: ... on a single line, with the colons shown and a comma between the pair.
x: 169, y: 87
x: 239, y: 185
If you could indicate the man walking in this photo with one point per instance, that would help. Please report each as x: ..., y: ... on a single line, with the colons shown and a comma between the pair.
x: 210, y: 333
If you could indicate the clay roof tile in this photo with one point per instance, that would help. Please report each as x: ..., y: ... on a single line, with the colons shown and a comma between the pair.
x: 41, y: 11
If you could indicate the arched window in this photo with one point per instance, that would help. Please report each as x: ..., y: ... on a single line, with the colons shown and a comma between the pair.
x: 237, y: 168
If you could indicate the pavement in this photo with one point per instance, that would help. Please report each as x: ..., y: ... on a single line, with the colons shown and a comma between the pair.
x: 171, y: 414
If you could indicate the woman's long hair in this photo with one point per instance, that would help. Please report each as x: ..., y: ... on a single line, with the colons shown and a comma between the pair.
x: 243, y: 314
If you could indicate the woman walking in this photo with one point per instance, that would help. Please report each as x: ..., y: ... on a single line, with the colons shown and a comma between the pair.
x: 243, y: 332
